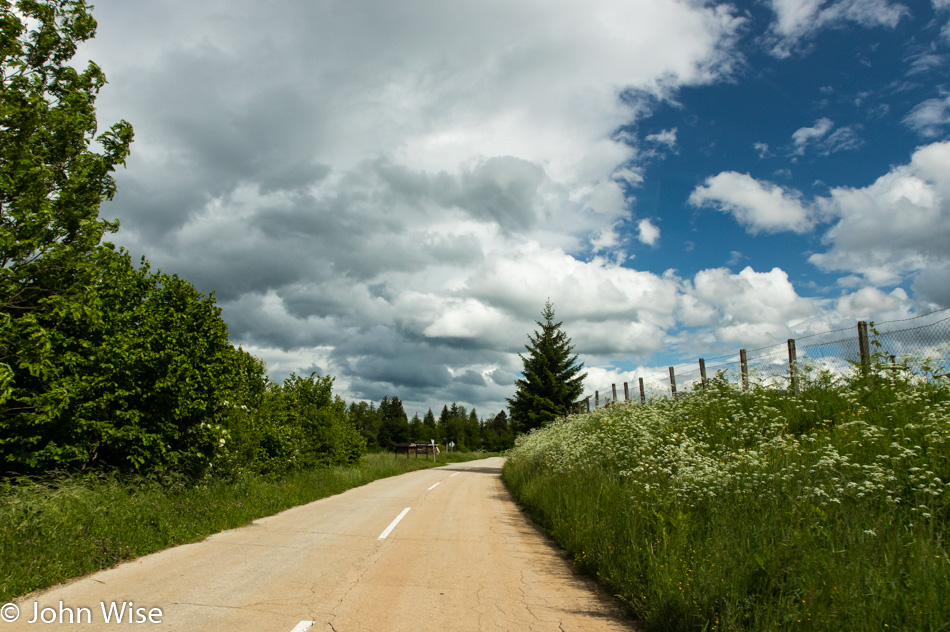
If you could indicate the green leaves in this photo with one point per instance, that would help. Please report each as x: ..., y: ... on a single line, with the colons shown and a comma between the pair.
x: 297, y: 425
x: 139, y: 369
x: 51, y: 183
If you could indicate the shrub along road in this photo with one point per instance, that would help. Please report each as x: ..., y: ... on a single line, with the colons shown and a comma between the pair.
x: 438, y: 549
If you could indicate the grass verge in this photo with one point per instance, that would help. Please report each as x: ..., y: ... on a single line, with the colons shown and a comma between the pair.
x: 52, y: 532
x: 760, y: 510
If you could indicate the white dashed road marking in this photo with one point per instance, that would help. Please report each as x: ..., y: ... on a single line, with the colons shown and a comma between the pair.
x: 392, y: 525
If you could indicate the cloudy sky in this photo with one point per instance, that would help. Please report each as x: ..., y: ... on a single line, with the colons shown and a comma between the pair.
x: 389, y: 191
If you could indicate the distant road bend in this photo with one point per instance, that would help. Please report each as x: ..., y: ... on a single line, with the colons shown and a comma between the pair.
x: 441, y: 549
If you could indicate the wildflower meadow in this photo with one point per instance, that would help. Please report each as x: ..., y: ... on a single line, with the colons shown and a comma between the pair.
x: 758, y: 509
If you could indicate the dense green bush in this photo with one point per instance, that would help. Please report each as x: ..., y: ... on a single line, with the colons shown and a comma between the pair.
x: 138, y: 384
x: 299, y: 424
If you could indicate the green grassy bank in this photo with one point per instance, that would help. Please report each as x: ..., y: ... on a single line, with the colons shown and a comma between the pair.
x: 51, y: 532
x: 762, y: 510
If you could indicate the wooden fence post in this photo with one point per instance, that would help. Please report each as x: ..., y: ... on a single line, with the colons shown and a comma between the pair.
x: 864, y: 347
x: 626, y: 393
x: 587, y: 401
x: 744, y: 369
x: 673, y: 382
x: 643, y: 393
x: 702, y: 371
x: 596, y: 399
x: 613, y: 392
x: 793, y: 365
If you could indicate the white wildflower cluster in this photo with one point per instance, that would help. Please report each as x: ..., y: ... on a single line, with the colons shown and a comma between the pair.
x: 719, y: 443
x: 208, y: 441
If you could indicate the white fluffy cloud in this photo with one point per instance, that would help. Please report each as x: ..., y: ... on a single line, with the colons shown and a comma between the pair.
x: 897, y: 226
x: 753, y: 308
x: 648, y: 232
x: 880, y: 234
x: 759, y: 206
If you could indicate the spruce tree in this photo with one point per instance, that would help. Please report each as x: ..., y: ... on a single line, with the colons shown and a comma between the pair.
x: 551, y: 382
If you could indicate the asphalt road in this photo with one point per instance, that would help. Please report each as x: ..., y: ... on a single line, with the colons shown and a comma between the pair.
x: 442, y: 549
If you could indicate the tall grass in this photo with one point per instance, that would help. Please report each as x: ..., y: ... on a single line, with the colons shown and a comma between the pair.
x: 54, y: 531
x: 759, y: 510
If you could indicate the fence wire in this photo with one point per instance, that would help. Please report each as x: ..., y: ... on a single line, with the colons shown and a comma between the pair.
x: 895, y: 344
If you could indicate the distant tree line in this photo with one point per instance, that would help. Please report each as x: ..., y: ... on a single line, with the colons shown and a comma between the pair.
x: 384, y: 426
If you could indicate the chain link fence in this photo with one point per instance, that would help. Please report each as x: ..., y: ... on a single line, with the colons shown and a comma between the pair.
x: 921, y: 344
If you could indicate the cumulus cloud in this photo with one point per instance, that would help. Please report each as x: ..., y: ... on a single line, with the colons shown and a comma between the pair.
x: 759, y: 206
x: 389, y: 192
x: 894, y: 227
x: 881, y: 234
x: 751, y: 308
x: 647, y: 232
x: 868, y: 303
x: 931, y: 285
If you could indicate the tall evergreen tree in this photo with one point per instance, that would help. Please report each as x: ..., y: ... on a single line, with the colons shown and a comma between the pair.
x: 415, y: 428
x: 429, y: 429
x: 395, y: 423
x: 497, y: 433
x: 551, y: 378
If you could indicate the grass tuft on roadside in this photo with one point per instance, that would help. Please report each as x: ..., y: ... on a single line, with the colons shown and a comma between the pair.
x: 758, y: 510
x: 57, y: 530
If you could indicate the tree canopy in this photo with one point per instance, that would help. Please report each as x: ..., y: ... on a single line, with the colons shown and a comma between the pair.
x: 552, y: 380
x: 51, y: 182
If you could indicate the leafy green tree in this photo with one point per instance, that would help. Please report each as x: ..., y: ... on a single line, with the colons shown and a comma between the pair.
x: 300, y: 424
x: 141, y: 387
x: 323, y: 434
x: 367, y: 420
x: 51, y: 182
x: 551, y: 380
